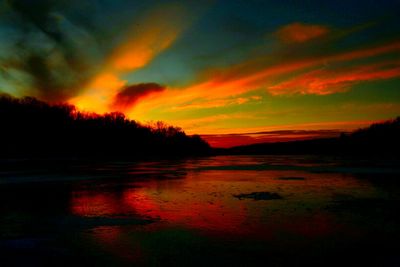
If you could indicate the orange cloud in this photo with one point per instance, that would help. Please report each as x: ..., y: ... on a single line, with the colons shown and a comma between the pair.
x: 322, y: 82
x: 300, y: 32
x: 148, y: 38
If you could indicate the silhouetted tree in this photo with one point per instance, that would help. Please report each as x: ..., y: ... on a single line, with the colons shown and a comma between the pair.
x: 30, y: 127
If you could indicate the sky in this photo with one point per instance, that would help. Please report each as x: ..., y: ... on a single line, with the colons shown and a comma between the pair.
x: 236, y: 72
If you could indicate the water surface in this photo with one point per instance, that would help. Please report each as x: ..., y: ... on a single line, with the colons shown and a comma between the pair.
x: 207, y: 212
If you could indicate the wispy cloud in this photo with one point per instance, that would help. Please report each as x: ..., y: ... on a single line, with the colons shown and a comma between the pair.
x: 147, y: 38
x: 323, y: 81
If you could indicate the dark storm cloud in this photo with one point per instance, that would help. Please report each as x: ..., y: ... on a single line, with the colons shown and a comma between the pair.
x: 49, y: 48
x: 130, y: 94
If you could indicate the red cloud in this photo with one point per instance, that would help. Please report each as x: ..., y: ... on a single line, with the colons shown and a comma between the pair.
x: 130, y: 94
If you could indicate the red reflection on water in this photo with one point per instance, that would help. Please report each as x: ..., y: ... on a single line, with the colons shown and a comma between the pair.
x: 205, y: 200
x: 97, y: 204
x: 193, y: 213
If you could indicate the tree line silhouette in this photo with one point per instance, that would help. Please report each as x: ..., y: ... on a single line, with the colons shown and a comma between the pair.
x: 32, y: 128
x: 379, y: 139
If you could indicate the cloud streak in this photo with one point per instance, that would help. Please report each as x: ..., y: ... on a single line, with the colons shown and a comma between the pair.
x: 323, y: 82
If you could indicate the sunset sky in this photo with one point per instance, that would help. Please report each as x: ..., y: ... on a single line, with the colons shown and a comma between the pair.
x: 237, y: 72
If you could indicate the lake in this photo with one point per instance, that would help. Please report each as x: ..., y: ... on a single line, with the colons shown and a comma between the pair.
x: 212, y: 211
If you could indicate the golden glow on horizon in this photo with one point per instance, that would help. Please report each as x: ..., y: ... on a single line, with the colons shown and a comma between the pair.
x: 337, y: 125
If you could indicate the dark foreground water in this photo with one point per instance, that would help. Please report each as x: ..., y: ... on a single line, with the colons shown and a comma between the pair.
x: 217, y: 211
